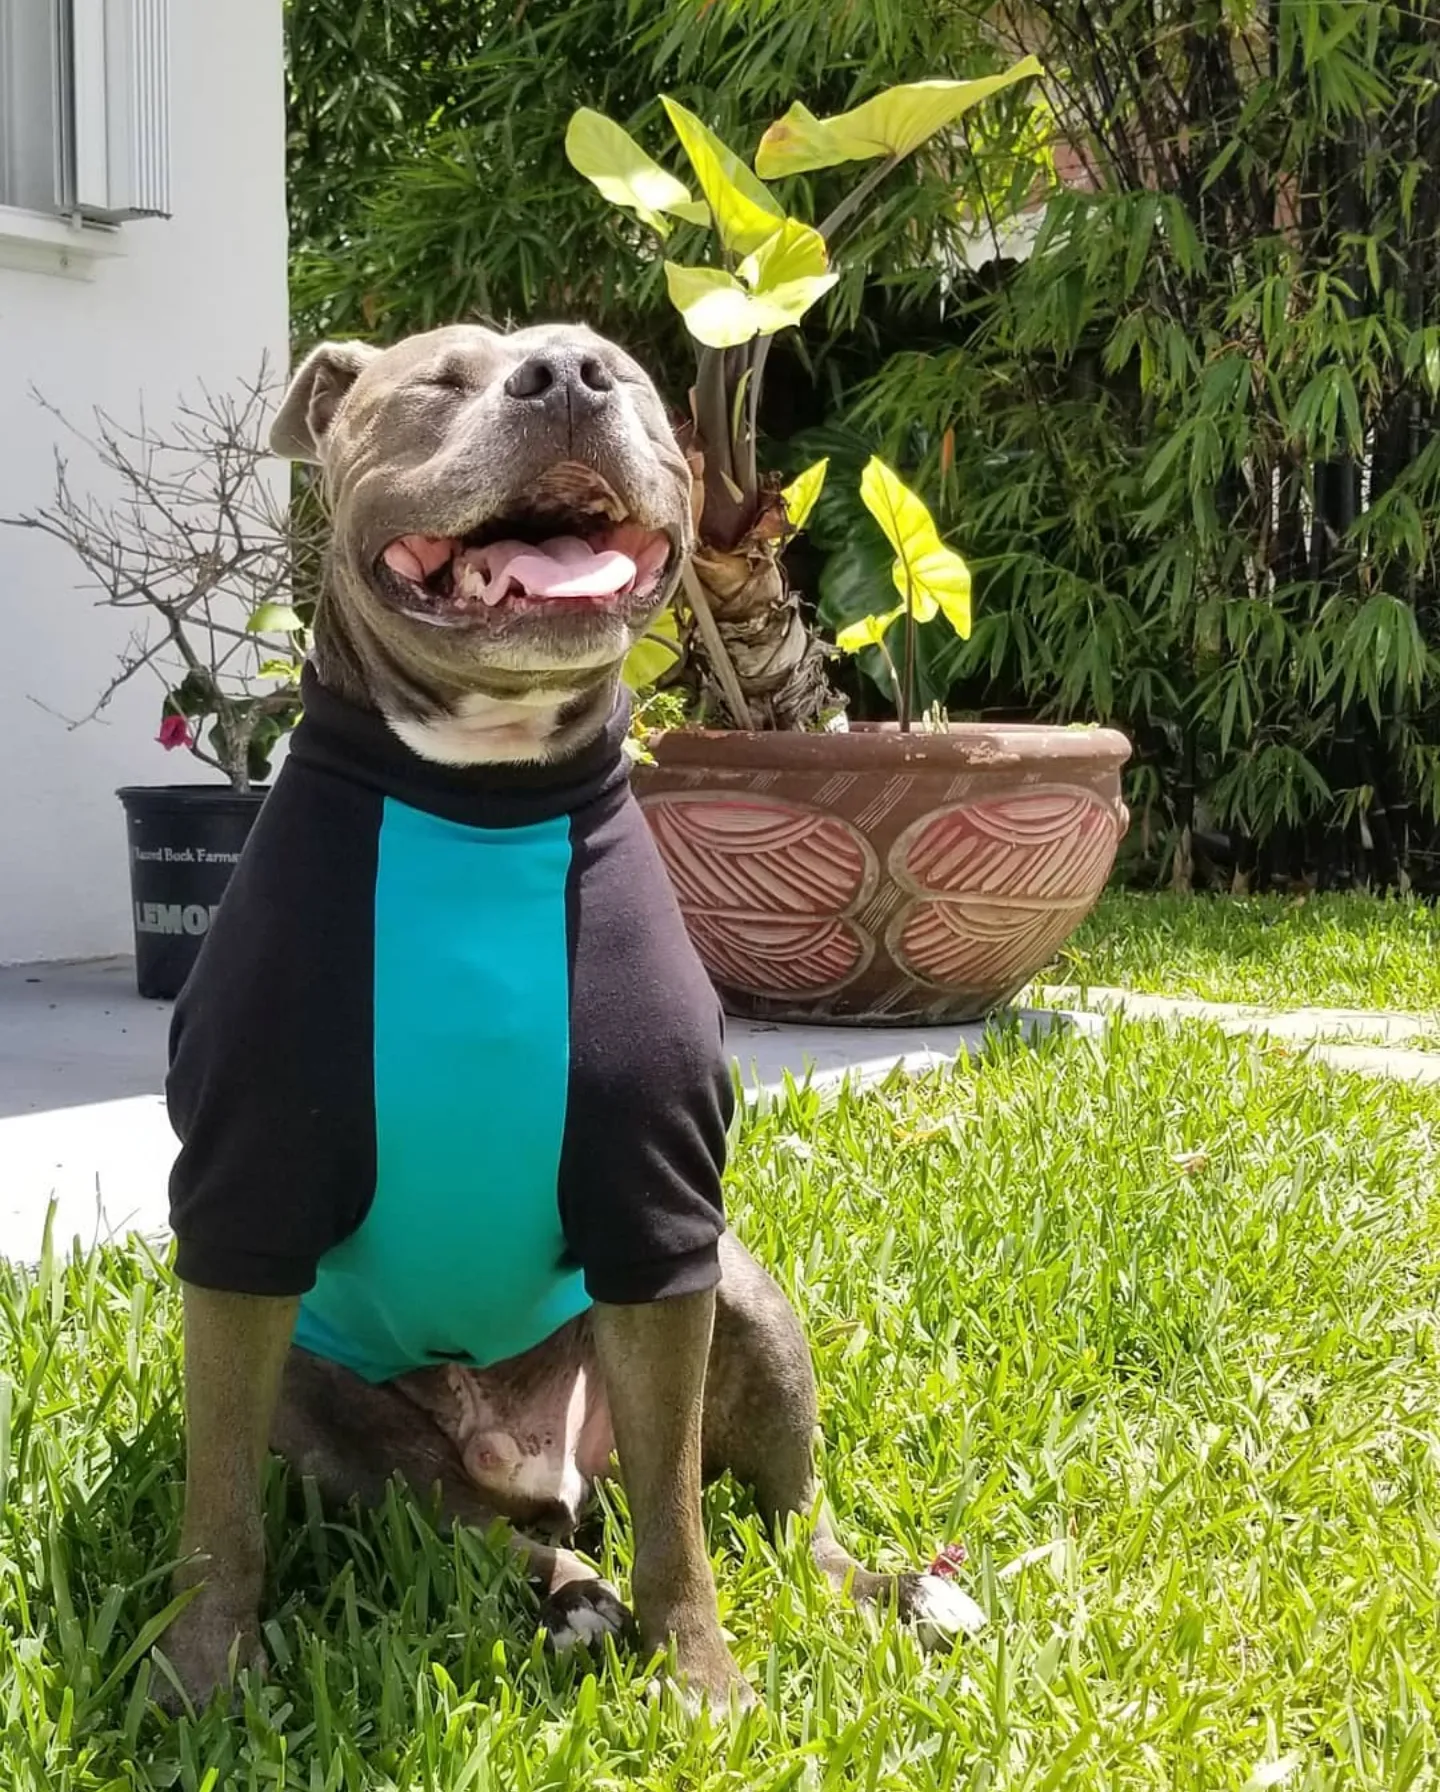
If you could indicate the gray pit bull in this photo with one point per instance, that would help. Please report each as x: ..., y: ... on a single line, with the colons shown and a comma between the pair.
x: 448, y: 1078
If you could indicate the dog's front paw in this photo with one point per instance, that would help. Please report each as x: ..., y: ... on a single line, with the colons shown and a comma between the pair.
x: 939, y: 1609
x: 584, y: 1612
x: 712, y: 1687
x: 705, y: 1676
x: 207, y: 1645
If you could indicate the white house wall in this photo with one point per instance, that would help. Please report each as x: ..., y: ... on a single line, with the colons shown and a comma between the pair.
x: 195, y: 299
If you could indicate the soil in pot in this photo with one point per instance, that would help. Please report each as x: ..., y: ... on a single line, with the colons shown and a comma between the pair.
x: 878, y: 878
x: 184, y: 840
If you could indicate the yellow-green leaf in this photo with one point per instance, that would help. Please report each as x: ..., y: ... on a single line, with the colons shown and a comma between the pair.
x: 803, y: 492
x: 794, y: 252
x: 869, y: 631
x: 933, y: 576
x: 782, y: 306
x: 714, y: 305
x: 654, y: 653
x: 274, y: 619
x: 797, y: 143
x: 745, y: 214
x: 610, y: 158
x: 721, y: 313
x: 893, y: 123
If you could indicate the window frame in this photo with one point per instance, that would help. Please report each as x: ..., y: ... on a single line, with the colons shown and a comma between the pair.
x: 107, y: 117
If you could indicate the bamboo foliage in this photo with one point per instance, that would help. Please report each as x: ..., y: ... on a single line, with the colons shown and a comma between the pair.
x: 1190, y: 445
x: 427, y: 172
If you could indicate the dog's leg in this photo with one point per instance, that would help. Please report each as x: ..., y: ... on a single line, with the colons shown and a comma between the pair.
x: 761, y: 1420
x: 653, y: 1359
x: 235, y: 1347
x: 352, y: 1437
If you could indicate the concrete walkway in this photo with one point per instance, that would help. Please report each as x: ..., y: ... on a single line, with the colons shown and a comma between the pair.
x: 1372, y: 1043
x: 82, y: 1065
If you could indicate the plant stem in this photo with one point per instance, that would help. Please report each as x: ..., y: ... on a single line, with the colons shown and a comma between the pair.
x: 907, y: 693
x: 715, y: 645
x: 714, y: 412
x: 746, y: 452
x: 854, y: 199
x: 742, y: 445
x: 891, y: 668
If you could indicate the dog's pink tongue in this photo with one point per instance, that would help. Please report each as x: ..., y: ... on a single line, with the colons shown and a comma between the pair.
x: 562, y: 567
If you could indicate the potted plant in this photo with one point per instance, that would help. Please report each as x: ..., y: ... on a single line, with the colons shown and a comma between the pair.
x: 920, y: 871
x: 200, y: 543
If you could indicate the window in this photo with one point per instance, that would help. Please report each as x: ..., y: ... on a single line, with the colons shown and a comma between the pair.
x: 84, y: 108
x: 29, y: 114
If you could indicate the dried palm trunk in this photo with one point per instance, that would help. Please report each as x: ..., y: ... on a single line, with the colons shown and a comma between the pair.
x: 778, y: 662
x: 752, y: 620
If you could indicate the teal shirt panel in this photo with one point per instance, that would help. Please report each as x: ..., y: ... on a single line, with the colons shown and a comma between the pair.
x: 462, y: 1255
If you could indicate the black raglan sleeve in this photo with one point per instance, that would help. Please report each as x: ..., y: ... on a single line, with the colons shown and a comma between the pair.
x: 271, y: 1086
x: 651, y: 1095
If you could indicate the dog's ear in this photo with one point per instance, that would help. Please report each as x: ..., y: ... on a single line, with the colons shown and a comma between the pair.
x: 308, y: 408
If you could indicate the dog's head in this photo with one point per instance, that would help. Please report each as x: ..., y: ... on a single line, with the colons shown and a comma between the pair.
x: 509, y: 512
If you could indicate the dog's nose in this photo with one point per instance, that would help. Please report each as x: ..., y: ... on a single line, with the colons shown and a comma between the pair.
x: 561, y: 381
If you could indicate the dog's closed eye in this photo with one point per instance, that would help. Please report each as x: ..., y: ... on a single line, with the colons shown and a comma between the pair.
x: 447, y: 379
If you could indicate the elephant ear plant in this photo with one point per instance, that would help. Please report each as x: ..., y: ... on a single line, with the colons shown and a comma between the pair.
x: 756, y: 663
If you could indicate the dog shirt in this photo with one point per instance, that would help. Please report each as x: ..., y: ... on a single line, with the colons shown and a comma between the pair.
x: 447, y: 1066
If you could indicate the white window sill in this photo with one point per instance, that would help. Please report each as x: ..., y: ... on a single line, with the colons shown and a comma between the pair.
x: 40, y: 244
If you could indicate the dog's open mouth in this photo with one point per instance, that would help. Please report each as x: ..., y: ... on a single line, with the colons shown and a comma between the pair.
x: 570, y: 543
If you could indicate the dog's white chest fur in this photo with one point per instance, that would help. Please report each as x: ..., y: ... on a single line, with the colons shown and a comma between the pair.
x: 486, y: 730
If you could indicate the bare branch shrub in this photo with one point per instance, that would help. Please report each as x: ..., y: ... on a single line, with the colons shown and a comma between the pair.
x: 198, y: 538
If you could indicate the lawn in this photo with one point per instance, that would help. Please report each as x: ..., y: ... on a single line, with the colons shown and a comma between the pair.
x: 1333, y: 951
x: 1149, y: 1322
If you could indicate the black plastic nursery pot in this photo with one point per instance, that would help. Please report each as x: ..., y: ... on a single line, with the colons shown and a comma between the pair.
x: 185, y: 840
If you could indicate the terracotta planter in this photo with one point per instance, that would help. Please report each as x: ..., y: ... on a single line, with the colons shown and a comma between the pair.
x: 875, y: 878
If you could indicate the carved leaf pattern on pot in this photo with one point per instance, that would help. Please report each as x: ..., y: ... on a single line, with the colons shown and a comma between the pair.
x: 767, y: 889
x: 999, y: 885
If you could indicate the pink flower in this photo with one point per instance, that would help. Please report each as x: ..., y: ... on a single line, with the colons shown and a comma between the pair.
x: 174, y: 732
x: 949, y: 1561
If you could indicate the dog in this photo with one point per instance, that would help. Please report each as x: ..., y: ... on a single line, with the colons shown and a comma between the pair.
x: 448, y: 1078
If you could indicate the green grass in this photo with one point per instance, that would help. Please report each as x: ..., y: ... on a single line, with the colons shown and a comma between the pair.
x: 1149, y: 1323
x: 1339, y: 951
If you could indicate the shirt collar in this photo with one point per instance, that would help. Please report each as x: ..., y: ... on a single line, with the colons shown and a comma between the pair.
x: 352, y: 742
